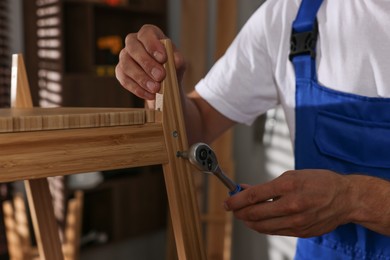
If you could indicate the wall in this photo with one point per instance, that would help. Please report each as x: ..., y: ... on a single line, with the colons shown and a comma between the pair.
x: 16, y: 26
x: 260, y: 158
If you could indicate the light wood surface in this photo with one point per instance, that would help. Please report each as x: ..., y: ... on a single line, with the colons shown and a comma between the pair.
x: 37, y: 119
x: 38, y: 193
x: 178, y: 179
x: 33, y: 155
x: 71, y: 246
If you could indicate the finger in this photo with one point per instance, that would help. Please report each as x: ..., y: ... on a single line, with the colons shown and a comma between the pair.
x: 261, y: 211
x: 278, y: 226
x: 137, y: 74
x: 131, y: 85
x: 150, y: 36
x: 297, y: 225
x: 245, y: 186
x: 250, y: 196
x: 139, y: 55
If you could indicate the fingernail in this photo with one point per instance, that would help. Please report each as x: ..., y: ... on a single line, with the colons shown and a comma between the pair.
x: 151, y: 86
x: 156, y: 73
x: 158, y: 55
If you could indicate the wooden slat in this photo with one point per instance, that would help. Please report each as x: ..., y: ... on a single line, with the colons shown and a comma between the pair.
x: 31, y: 155
x: 38, y: 193
x: 180, y: 188
x: 71, y: 247
x: 36, y: 119
x: 14, y: 244
x: 22, y: 225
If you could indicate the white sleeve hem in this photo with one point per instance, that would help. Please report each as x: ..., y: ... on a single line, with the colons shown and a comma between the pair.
x: 221, y: 105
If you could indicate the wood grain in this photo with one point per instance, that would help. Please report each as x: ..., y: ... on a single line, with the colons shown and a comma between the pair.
x: 38, y: 193
x: 37, y: 119
x: 178, y: 179
x: 32, y: 155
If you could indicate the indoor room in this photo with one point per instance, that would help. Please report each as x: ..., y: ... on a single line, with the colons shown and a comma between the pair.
x: 166, y: 129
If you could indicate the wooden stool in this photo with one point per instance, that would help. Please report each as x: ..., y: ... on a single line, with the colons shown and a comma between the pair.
x: 37, y: 143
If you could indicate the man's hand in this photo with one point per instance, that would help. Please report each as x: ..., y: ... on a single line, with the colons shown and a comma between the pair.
x: 301, y: 203
x: 140, y: 69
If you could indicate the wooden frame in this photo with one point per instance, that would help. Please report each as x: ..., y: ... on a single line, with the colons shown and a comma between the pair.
x: 35, y: 155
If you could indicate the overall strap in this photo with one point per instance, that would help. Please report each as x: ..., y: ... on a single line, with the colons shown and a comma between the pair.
x: 304, y: 39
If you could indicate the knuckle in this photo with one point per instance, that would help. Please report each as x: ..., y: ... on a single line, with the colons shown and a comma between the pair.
x: 289, y: 183
x: 130, y: 38
x: 118, y: 73
x: 141, y: 78
x: 294, y: 206
x: 145, y: 29
x: 145, y: 64
x: 252, y: 196
x: 122, y: 54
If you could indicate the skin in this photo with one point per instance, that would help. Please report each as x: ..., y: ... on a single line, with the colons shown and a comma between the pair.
x: 301, y: 203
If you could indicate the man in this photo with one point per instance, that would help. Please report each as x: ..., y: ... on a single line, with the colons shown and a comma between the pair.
x: 327, y: 64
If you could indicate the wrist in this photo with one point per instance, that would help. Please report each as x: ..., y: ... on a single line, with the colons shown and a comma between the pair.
x: 369, y: 200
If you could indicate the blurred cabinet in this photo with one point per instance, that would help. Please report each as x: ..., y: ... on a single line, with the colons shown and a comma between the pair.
x: 127, y: 204
x: 94, y: 33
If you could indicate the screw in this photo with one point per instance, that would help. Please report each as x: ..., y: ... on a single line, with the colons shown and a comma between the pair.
x: 175, y: 134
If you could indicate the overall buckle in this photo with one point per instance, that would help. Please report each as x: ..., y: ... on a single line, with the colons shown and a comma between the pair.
x: 303, y: 43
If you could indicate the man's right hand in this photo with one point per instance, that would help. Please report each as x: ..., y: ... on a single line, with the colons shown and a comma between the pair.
x: 140, y: 69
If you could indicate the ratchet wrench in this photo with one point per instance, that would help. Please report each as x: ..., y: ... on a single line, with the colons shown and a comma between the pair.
x: 204, y: 159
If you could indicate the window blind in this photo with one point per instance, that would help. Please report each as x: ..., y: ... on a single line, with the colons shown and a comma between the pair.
x: 49, y: 52
x: 5, y: 71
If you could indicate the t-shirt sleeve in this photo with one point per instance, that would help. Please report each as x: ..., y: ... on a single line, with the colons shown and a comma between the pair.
x: 241, y: 84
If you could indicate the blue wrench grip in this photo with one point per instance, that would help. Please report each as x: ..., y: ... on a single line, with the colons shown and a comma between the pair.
x: 237, y: 190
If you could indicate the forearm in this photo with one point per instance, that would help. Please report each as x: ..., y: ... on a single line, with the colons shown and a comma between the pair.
x: 193, y: 121
x: 203, y: 122
x: 371, y: 199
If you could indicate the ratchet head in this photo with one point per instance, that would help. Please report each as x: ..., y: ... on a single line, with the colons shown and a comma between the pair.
x: 203, y: 157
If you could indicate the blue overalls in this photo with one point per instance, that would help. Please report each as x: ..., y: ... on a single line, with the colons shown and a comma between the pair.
x: 339, y: 131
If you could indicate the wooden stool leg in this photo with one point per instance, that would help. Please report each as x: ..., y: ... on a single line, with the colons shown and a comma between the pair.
x: 22, y: 228
x: 178, y: 179
x: 44, y: 222
x: 38, y: 193
x: 13, y: 240
x: 72, y: 232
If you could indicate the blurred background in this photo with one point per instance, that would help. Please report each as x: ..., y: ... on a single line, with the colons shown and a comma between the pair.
x: 70, y: 49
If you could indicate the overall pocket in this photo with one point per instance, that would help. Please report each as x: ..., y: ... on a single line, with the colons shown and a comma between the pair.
x: 363, y: 143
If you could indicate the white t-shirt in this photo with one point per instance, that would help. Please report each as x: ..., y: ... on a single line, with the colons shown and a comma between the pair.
x: 255, y: 74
